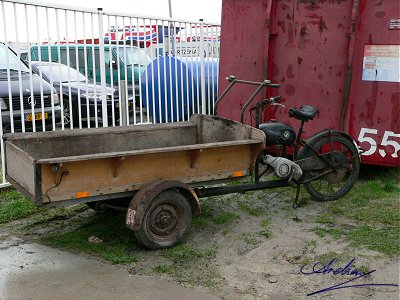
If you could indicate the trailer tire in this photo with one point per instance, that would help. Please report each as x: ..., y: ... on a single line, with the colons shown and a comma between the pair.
x: 166, y: 221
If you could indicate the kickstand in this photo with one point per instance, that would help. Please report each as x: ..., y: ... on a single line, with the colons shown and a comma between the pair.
x: 296, y: 203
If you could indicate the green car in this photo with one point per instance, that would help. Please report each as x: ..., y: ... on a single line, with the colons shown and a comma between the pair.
x: 127, y: 61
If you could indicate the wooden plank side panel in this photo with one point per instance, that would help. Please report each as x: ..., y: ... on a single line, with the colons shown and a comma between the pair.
x: 96, y: 177
x: 20, y: 168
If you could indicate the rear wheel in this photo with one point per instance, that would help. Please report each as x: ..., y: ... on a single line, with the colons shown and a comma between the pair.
x: 166, y: 221
x: 340, y: 178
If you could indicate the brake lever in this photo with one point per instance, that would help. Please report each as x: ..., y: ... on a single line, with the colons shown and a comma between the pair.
x: 276, y: 103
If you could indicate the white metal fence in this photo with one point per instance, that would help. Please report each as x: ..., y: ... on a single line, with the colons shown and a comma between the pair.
x: 89, y: 68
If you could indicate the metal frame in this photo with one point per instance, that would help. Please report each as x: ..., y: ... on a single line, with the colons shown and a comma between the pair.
x: 45, y: 24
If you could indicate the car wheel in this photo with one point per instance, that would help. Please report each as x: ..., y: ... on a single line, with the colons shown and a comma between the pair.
x: 69, y: 115
x: 66, y: 113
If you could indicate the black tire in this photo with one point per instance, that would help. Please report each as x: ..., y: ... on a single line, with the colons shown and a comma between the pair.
x: 166, y: 221
x: 344, y: 174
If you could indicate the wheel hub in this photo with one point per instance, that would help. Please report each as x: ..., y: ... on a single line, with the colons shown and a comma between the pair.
x: 163, y: 219
x: 336, y: 175
x: 340, y: 162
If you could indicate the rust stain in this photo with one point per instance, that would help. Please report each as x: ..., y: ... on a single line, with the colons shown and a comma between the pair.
x: 284, y: 6
x: 370, y: 104
x: 290, y: 35
x: 282, y: 25
x: 303, y: 36
x: 319, y: 21
x: 299, y: 60
x: 289, y: 72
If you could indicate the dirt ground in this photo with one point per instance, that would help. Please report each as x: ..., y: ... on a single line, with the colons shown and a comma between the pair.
x: 258, y: 251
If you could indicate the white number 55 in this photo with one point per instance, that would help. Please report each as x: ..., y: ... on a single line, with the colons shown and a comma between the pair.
x: 373, y: 144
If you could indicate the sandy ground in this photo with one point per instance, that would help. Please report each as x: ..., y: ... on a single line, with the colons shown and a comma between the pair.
x: 268, y: 268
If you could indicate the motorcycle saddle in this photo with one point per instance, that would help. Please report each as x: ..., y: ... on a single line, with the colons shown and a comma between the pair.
x: 304, y: 113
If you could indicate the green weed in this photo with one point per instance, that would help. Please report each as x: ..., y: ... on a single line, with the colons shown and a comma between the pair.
x: 253, y: 211
x: 14, y: 205
x: 225, y: 217
x: 117, y: 239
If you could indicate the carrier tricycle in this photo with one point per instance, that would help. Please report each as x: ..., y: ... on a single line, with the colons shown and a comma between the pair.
x: 163, y: 169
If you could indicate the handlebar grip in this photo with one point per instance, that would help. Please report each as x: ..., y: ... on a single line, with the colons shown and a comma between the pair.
x: 230, y: 78
x: 276, y: 98
x: 274, y: 85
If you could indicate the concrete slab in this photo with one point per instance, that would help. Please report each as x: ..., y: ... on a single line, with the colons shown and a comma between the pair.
x: 33, y: 271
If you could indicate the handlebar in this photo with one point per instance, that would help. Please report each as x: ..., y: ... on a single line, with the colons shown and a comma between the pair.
x: 269, y: 101
x: 232, y: 79
x: 274, y: 85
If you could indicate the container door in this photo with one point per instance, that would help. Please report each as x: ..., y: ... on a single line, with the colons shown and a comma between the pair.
x: 374, y: 103
x: 308, y: 56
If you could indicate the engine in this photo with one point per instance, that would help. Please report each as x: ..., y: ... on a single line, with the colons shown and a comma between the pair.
x: 283, y: 167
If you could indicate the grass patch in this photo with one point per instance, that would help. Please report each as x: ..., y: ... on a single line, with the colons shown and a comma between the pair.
x: 265, y: 233
x: 189, y: 265
x: 14, y: 205
x: 334, y: 232
x: 118, y: 240
x: 373, y: 207
x: 253, y: 211
x: 165, y: 269
x: 264, y: 223
x: 250, y: 239
x: 225, y: 217
x: 324, y: 220
x: 385, y: 240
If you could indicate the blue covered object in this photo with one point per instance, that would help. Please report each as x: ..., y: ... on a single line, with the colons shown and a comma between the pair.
x: 174, y: 84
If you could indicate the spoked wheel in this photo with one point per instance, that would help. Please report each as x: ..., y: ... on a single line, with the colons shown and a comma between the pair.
x: 66, y: 113
x: 339, y: 179
x: 166, y: 221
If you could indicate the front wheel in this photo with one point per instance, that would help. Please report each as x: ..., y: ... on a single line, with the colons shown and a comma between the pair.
x: 339, y: 178
x: 166, y: 221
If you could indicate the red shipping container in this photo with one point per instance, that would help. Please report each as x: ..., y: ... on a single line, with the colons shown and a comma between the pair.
x: 340, y: 56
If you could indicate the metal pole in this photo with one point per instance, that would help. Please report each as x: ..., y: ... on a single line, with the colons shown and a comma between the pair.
x: 202, y: 70
x: 102, y: 69
x: 123, y: 116
x: 170, y: 8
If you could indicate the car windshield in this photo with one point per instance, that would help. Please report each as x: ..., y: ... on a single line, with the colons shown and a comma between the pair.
x: 134, y: 56
x: 59, y: 73
x: 14, y: 64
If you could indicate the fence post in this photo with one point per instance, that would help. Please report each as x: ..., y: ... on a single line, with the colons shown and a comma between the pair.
x: 202, y: 70
x: 102, y: 69
x: 123, y: 116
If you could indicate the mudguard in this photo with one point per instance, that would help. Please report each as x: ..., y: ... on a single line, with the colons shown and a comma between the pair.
x: 327, y: 132
x: 143, y: 198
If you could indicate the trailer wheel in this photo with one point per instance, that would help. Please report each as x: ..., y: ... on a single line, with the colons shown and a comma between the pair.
x: 166, y: 221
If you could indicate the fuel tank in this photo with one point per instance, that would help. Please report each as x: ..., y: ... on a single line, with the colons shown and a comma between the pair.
x: 278, y: 133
